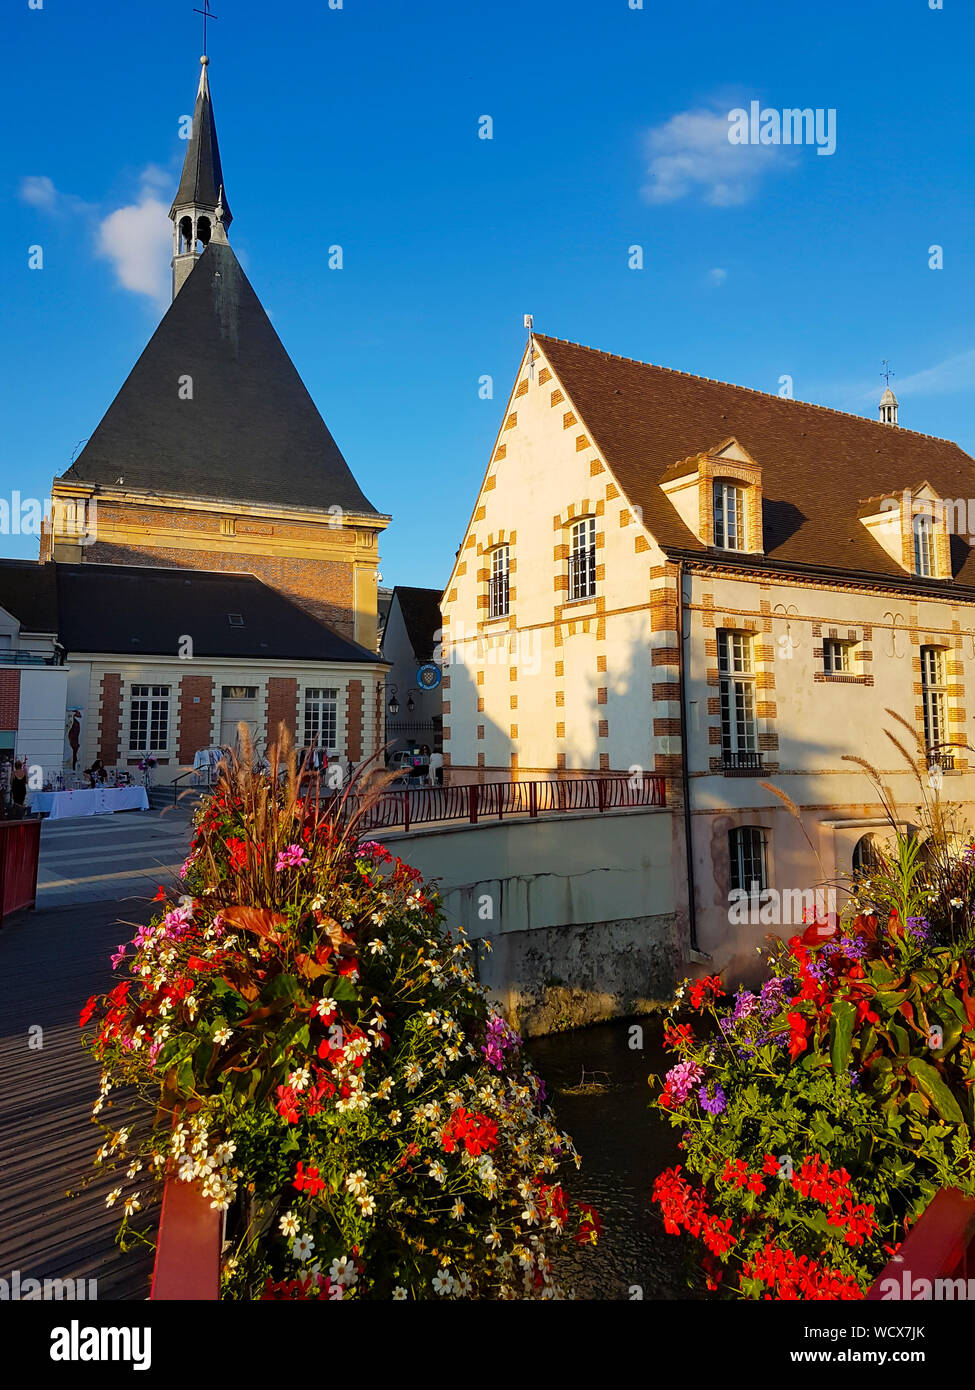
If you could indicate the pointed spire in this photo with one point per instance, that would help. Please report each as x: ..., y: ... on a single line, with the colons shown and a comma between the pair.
x: 202, y: 180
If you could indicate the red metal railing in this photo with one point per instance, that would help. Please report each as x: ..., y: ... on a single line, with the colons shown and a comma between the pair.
x: 941, y: 1247
x: 476, y: 802
x: 20, y: 842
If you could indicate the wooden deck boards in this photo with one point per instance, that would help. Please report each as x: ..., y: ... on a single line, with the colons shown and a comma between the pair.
x: 53, y: 1219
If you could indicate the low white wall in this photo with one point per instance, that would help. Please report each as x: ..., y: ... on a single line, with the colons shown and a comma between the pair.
x: 579, y: 908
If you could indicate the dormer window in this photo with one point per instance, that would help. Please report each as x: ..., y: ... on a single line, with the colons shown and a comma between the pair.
x: 925, y: 562
x: 729, y: 515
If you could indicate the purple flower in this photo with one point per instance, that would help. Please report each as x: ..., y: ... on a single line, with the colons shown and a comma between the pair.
x: 771, y: 998
x: 919, y: 928
x: 854, y: 946
x: 680, y: 1080
x: 291, y: 858
x: 712, y: 1098
x: 745, y: 1004
x: 499, y: 1038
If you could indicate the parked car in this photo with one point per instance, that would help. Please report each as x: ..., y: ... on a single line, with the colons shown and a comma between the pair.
x: 410, y: 766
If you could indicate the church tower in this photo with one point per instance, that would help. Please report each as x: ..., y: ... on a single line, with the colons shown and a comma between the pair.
x: 199, y: 211
x: 213, y: 454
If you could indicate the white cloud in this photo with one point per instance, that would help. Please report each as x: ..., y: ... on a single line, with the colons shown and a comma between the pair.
x: 717, y: 276
x: 138, y: 240
x: 953, y: 374
x: 38, y: 191
x: 691, y: 152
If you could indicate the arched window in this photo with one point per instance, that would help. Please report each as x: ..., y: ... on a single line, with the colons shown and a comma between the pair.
x: 747, y: 846
x: 185, y: 234
x: 867, y: 856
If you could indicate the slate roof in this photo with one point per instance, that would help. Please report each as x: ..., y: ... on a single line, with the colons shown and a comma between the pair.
x: 421, y: 617
x: 29, y: 594
x: 818, y: 464
x: 202, y: 177
x: 132, y: 609
x: 250, y: 433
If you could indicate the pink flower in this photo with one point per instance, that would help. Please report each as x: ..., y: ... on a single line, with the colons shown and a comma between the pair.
x: 681, y: 1079
x: 291, y: 858
x: 118, y: 957
x: 176, y: 923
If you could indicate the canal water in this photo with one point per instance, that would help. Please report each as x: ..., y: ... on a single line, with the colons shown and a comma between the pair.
x: 598, y: 1086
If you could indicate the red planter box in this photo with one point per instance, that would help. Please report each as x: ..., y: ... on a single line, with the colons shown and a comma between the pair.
x: 20, y: 845
x: 940, y: 1246
x: 188, y: 1249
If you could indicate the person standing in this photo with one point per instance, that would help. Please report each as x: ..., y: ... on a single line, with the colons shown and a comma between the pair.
x: 18, y: 788
x: 435, y: 769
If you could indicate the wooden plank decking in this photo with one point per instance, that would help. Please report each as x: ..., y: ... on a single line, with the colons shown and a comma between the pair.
x: 51, y: 1224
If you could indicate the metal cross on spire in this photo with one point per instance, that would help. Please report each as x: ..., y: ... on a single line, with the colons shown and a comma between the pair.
x: 886, y: 373
x: 207, y: 14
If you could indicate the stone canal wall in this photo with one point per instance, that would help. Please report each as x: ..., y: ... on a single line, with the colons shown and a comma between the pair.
x: 580, y: 910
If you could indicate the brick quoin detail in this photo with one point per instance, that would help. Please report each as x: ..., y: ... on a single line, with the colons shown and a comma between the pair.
x: 282, y: 707
x: 9, y: 699
x: 110, y: 707
x: 195, y: 719
x: 354, y: 721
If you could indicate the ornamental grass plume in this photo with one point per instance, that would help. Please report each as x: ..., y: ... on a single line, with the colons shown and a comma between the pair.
x: 311, y: 1047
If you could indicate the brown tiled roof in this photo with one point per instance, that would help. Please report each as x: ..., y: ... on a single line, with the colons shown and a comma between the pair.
x: 818, y: 464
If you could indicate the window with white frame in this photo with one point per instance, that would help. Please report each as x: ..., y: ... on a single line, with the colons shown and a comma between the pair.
x: 747, y: 846
x: 149, y: 719
x: 498, y: 598
x: 321, y: 717
x: 925, y: 558
x: 582, y: 559
x: 729, y: 515
x: 934, y: 692
x: 837, y: 657
x: 739, y: 730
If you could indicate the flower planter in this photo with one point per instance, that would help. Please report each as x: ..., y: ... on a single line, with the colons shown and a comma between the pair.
x: 940, y: 1247
x: 187, y: 1266
x: 20, y: 844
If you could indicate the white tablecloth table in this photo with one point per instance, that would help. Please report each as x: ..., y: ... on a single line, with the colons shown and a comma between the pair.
x: 97, y: 801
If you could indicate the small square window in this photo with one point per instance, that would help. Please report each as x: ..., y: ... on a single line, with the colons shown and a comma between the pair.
x: 837, y: 657
x: 235, y: 619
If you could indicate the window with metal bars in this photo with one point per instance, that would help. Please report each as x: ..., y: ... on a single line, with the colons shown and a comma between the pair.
x: 149, y: 719
x: 934, y: 696
x: 498, y: 596
x: 739, y: 729
x: 582, y: 559
x: 729, y: 515
x: 747, y: 845
x: 321, y: 718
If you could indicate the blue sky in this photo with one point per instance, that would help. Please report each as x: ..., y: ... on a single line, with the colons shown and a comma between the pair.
x: 359, y: 126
